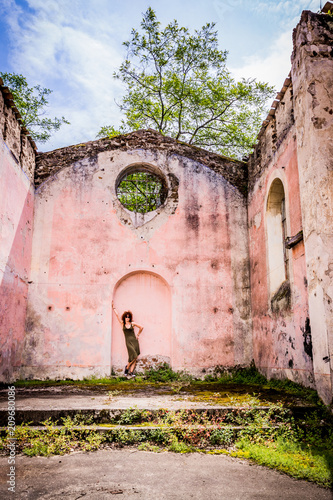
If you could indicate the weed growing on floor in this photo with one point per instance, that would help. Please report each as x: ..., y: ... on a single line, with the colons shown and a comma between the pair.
x: 164, y: 373
x: 180, y: 381
x: 251, y: 376
x: 270, y: 437
x: 293, y: 458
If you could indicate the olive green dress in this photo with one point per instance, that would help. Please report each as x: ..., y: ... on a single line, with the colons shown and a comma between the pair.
x: 132, y: 343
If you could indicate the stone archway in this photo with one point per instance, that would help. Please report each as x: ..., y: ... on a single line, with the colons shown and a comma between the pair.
x: 276, y: 223
x: 148, y: 296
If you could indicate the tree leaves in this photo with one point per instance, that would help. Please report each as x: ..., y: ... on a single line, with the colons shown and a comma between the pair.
x: 178, y: 83
x: 141, y: 192
x: 31, y: 103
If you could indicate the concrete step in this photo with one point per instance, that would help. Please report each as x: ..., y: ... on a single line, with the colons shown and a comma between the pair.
x: 107, y: 428
x: 140, y: 433
x: 110, y: 427
x: 230, y: 415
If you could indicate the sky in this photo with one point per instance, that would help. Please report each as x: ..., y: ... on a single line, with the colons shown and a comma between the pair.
x: 74, y: 46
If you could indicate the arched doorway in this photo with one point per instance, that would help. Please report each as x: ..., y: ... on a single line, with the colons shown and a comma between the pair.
x: 148, y: 296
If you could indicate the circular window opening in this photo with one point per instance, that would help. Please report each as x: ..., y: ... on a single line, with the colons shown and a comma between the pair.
x: 141, y: 191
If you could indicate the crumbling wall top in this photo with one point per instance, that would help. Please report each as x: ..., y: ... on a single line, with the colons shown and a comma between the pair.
x: 314, y: 32
x: 15, y: 135
x: 49, y: 163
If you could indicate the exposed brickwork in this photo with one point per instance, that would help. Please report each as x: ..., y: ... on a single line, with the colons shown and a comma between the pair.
x: 313, y: 33
x: 312, y: 73
x: 49, y: 163
x: 272, y: 135
x: 312, y: 38
x: 2, y: 116
x: 14, y: 134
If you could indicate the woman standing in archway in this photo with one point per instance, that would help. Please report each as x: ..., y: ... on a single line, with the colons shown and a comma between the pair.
x: 131, y: 339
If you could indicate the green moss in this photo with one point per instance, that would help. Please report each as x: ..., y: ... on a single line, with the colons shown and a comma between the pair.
x: 224, y: 387
x: 292, y: 458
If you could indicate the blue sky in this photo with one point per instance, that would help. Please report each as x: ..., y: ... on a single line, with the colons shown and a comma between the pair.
x: 74, y: 46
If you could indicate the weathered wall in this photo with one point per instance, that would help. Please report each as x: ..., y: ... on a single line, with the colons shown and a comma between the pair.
x: 88, y: 249
x: 16, y: 219
x: 295, y: 338
x: 312, y: 73
x: 184, y: 269
x: 280, y: 331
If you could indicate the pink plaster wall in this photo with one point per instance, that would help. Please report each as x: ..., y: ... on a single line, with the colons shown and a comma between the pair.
x: 84, y: 247
x: 16, y: 218
x: 148, y: 297
x: 278, y: 338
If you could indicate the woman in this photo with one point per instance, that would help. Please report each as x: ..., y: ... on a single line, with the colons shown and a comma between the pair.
x: 131, y: 339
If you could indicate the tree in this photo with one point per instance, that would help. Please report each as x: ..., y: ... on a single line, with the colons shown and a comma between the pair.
x: 141, y: 192
x: 177, y: 83
x: 31, y: 103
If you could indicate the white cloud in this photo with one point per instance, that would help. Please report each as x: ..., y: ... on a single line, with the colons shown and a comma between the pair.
x: 71, y: 47
x: 74, y: 46
x: 273, y: 68
x: 286, y: 8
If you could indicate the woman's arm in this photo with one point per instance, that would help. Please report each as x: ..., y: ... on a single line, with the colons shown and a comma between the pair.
x: 116, y: 313
x: 140, y: 329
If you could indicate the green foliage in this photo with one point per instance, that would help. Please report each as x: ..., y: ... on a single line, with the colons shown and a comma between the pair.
x: 290, y: 457
x: 242, y: 382
x: 108, y: 131
x: 141, y: 192
x: 31, y: 103
x: 300, y: 448
x: 149, y: 447
x: 164, y: 373
x: 177, y: 83
x: 251, y: 376
x: 180, y: 447
x: 222, y: 437
x: 130, y: 416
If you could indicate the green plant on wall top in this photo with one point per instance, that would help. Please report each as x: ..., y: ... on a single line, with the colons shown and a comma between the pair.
x: 31, y: 103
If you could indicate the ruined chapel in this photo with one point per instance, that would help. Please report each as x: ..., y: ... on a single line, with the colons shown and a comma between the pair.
x: 231, y: 262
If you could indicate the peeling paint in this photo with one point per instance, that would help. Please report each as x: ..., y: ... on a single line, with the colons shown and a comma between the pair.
x: 66, y: 249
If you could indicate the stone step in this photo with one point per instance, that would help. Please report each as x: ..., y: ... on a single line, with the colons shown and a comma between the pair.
x: 113, y: 415
x: 114, y: 433
x: 111, y: 427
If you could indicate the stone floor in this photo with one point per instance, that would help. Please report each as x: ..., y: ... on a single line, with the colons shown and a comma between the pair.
x: 139, y: 475
x: 59, y: 398
x: 132, y: 474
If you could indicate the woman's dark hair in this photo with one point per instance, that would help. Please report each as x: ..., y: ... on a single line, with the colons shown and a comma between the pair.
x: 127, y: 313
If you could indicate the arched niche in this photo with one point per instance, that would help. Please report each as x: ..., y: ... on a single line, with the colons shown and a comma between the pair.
x: 148, y: 296
x: 276, y: 234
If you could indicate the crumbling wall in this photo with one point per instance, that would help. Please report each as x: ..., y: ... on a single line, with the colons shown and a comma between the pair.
x: 312, y: 74
x: 279, y: 320
x: 274, y: 131
x: 233, y: 171
x: 15, y: 135
x: 294, y: 337
x: 16, y: 220
x: 87, y: 249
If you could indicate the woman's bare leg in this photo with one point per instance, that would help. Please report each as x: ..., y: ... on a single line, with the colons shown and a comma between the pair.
x: 131, y: 366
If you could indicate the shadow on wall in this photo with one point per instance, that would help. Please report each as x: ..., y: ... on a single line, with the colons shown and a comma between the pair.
x: 148, y: 296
